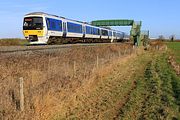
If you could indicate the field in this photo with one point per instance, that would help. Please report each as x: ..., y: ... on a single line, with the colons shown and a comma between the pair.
x: 102, y: 82
x: 157, y: 94
x: 13, y: 42
x: 51, y: 77
x: 175, y: 49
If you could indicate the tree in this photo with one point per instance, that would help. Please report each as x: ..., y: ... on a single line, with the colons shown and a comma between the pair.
x: 161, y: 38
x: 172, y: 38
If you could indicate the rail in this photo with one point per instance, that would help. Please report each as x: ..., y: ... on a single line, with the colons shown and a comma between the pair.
x: 14, y: 49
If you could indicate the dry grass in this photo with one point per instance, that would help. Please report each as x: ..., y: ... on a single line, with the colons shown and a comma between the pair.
x: 101, y: 97
x: 51, y: 78
x: 12, y: 42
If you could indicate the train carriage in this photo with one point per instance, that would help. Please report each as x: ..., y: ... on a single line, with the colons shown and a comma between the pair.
x: 74, y: 29
x: 54, y: 27
x: 88, y: 31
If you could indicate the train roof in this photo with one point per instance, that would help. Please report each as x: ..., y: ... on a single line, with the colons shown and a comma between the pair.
x: 42, y: 13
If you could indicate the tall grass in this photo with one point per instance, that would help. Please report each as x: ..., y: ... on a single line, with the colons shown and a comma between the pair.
x: 12, y: 42
x: 50, y: 78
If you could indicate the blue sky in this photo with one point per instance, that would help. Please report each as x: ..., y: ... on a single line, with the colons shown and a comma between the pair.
x: 161, y: 17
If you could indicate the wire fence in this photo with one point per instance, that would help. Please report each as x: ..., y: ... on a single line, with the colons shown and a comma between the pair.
x: 28, y: 78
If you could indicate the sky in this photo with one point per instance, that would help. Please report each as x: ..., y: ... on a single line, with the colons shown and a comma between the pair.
x: 160, y: 17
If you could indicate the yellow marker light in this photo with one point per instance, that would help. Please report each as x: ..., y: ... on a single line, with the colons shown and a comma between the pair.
x: 33, y: 32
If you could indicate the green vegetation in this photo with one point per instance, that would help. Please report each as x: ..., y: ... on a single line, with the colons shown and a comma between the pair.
x: 175, y: 48
x: 157, y: 95
x: 13, y: 42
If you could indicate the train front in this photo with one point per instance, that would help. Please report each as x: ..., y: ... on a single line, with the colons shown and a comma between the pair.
x: 34, y: 29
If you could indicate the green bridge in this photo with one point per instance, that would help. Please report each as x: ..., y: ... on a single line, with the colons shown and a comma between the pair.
x: 135, y: 32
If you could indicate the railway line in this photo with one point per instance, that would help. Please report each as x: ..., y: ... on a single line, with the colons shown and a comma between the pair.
x: 17, y: 49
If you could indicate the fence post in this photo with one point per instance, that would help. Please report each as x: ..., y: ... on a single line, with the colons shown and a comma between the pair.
x: 65, y: 69
x: 21, y: 93
x: 119, y: 53
x: 74, y: 67
x: 166, y: 47
x: 97, y: 61
x: 125, y: 52
x: 48, y: 69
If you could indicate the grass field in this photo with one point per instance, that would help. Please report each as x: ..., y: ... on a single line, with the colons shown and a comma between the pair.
x: 12, y: 42
x: 105, y: 82
x: 150, y: 90
x: 175, y: 49
x: 157, y: 95
x: 52, y: 77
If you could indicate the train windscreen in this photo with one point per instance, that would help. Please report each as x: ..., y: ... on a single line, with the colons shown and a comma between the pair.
x: 33, y: 23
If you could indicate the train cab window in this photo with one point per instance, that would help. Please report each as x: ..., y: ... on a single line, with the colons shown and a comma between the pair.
x: 33, y: 23
x: 38, y: 22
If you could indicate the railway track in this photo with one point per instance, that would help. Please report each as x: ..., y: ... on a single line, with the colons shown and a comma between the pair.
x: 15, y: 49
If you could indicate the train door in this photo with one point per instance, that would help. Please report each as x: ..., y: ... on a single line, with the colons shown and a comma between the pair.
x: 84, y: 30
x: 64, y: 29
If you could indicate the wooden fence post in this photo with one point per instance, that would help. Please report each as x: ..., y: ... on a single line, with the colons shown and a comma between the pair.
x: 65, y: 69
x: 48, y: 69
x: 119, y: 53
x: 97, y: 61
x: 21, y: 93
x: 74, y: 67
x: 125, y: 52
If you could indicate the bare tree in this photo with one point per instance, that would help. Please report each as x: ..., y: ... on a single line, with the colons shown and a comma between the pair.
x: 172, y: 38
x: 161, y: 38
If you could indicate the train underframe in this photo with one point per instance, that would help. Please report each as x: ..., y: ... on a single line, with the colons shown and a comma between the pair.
x: 67, y: 40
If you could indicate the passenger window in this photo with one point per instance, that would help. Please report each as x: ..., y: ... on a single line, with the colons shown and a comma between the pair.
x: 53, y: 25
x: 48, y: 23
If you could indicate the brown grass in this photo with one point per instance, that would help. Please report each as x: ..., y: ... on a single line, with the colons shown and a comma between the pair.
x: 158, y: 45
x: 51, y: 78
x: 12, y: 42
x: 101, y: 97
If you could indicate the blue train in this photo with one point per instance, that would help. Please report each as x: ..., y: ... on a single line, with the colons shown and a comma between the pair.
x: 43, y: 28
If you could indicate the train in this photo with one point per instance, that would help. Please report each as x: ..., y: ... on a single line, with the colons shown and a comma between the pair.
x: 44, y: 28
